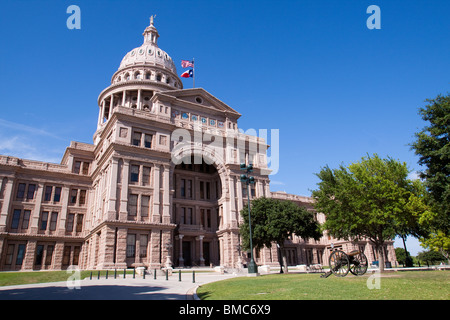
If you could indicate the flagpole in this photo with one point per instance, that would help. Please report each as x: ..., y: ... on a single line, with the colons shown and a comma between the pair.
x: 193, y: 70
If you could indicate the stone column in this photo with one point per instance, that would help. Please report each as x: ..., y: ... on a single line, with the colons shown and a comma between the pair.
x: 202, y: 260
x: 123, y: 212
x: 63, y: 215
x: 28, y: 261
x: 156, y: 194
x: 111, y: 213
x: 166, y: 195
x: 8, y: 197
x: 139, y: 100
x: 124, y: 97
x: 180, y: 258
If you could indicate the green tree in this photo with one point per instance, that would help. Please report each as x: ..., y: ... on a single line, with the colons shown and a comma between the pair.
x: 439, y: 242
x: 274, y: 220
x: 402, y: 255
x: 433, y: 146
x: 371, y: 199
x: 431, y: 257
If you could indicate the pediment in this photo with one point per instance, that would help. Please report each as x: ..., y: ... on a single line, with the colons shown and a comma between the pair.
x: 197, y: 98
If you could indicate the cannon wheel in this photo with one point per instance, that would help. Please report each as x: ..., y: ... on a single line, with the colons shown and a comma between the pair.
x: 359, y: 264
x: 339, y: 263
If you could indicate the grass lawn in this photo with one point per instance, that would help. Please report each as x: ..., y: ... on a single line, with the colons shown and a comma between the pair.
x: 16, y: 278
x: 412, y: 285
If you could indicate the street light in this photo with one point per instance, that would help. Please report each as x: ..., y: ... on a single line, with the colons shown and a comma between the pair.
x: 245, y: 178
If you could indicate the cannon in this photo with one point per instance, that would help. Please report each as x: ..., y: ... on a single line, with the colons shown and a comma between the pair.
x: 342, y: 263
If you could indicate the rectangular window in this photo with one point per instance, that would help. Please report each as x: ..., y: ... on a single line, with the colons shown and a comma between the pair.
x: 66, y: 256
x: 26, y: 219
x: 73, y: 196
x: 148, y: 140
x: 48, y: 193
x: 85, y: 169
x: 136, y: 141
x: 48, y: 257
x: 20, y: 254
x: 53, y: 221
x: 134, y: 176
x: 189, y: 216
x: 39, y: 255
x: 145, y: 201
x: 9, y: 254
x: 76, y: 255
x: 44, y: 219
x: 16, y: 219
x: 189, y: 189
x: 76, y: 167
x: 30, y: 192
x: 146, y: 176
x: 132, y: 204
x: 57, y: 196
x: 143, y: 245
x: 202, y: 190
x: 70, y: 220
x: 183, y: 215
x: 79, y: 226
x: 131, y: 246
x: 82, y: 197
x: 208, y: 190
x: 21, y: 191
x: 183, y: 188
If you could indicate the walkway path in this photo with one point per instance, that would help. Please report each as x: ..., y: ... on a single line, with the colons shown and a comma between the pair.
x: 114, y: 289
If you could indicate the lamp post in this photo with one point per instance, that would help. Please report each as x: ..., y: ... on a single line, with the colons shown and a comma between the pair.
x: 245, y: 178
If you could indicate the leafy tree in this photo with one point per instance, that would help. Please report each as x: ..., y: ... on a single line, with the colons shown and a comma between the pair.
x: 439, y: 242
x: 401, y: 255
x: 431, y: 257
x: 274, y: 220
x: 433, y: 146
x: 371, y: 199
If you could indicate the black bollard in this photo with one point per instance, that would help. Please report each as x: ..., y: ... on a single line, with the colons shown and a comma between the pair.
x: 167, y: 274
x: 154, y: 274
x: 106, y: 274
x: 179, y: 275
x: 98, y: 275
x: 115, y: 273
x: 193, y: 276
x: 124, y: 273
x: 90, y: 278
x: 143, y: 274
x: 134, y: 273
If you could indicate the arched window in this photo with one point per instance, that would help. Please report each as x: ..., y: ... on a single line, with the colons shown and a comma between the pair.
x: 127, y: 76
x: 137, y: 75
x: 158, y: 77
x: 148, y: 75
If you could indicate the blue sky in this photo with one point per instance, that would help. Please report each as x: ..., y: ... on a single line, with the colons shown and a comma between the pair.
x: 312, y: 69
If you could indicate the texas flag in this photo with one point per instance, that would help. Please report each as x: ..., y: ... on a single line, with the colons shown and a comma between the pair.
x: 187, y: 74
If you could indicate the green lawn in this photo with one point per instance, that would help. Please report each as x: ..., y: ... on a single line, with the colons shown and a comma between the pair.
x: 16, y: 278
x: 423, y: 285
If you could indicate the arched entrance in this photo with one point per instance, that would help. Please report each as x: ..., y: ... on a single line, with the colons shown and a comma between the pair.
x: 197, y: 193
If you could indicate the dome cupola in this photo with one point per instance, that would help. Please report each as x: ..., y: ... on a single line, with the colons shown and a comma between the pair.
x: 148, y: 63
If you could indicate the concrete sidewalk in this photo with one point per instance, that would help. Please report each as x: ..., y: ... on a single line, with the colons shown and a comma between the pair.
x: 115, y: 289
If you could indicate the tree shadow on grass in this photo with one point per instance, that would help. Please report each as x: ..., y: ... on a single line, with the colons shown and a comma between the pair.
x: 100, y: 292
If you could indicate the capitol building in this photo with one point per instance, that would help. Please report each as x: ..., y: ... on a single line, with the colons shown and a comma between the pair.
x: 160, y: 184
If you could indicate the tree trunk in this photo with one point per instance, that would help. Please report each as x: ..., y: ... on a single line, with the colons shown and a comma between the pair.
x: 380, y: 257
x: 283, y: 259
